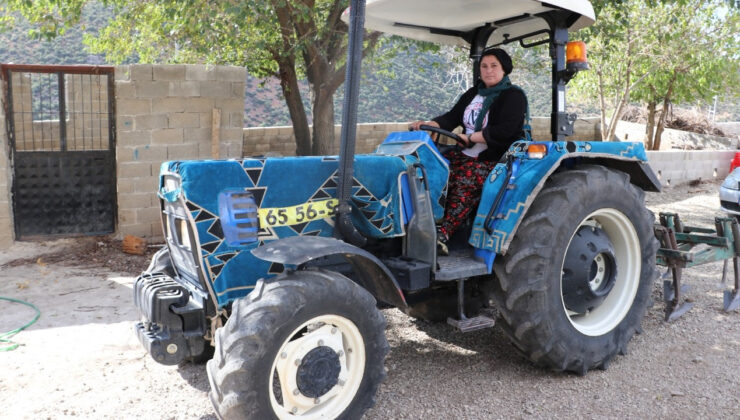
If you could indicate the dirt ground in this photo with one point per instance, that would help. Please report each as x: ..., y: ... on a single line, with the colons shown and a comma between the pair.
x: 82, y: 360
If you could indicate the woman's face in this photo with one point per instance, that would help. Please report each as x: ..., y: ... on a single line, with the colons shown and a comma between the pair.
x: 491, y: 71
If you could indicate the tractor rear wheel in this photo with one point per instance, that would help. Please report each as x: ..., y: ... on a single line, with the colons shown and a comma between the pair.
x: 575, y: 282
x: 307, y: 345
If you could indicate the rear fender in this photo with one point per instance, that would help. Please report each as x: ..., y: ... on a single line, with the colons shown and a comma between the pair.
x: 368, y: 271
x: 529, y: 176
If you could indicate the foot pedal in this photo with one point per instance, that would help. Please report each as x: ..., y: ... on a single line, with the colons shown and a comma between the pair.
x: 732, y: 300
x: 472, y: 324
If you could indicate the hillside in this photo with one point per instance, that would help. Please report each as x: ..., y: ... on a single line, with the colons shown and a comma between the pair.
x: 19, y: 48
x: 412, y: 86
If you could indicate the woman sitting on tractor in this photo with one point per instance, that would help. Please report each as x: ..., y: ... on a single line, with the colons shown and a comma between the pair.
x: 492, y: 114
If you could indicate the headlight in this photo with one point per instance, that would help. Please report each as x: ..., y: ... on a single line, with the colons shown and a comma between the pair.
x: 731, y: 183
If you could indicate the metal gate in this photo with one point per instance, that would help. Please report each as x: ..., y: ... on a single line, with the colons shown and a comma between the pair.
x: 61, y: 126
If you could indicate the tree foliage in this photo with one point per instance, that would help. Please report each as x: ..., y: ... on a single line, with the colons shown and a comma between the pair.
x: 49, y: 17
x: 284, y: 39
x: 24, y: 45
x: 696, y: 60
x: 659, y: 52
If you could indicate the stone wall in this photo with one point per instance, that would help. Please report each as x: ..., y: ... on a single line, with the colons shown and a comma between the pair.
x: 673, y: 167
x: 280, y: 140
x: 260, y: 141
x: 584, y: 129
x: 166, y: 112
x: 163, y: 112
x: 6, y: 221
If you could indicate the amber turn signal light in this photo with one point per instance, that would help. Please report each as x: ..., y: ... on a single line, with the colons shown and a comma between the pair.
x: 536, y: 151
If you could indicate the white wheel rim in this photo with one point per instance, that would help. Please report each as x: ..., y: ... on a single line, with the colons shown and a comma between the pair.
x: 627, y: 255
x: 345, y: 339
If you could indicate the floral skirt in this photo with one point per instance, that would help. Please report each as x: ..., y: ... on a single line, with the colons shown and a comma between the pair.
x: 467, y: 175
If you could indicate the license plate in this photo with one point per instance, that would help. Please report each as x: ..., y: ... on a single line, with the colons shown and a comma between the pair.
x: 302, y: 213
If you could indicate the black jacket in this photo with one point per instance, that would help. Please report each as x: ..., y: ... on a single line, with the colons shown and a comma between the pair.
x: 505, y: 120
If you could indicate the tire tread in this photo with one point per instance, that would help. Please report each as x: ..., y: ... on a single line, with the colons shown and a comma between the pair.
x: 520, y: 290
x: 253, y: 320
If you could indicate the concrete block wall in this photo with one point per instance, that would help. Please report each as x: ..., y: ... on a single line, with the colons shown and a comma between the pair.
x: 369, y: 136
x: 672, y: 166
x: 6, y: 221
x: 165, y: 112
x: 675, y: 167
x: 280, y: 140
x: 584, y: 129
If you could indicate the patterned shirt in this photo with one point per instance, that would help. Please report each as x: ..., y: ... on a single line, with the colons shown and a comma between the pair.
x: 471, y: 114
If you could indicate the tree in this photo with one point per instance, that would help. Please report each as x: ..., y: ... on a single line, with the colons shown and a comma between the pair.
x: 532, y: 72
x: 50, y: 17
x: 284, y: 39
x: 696, y: 58
x: 658, y: 51
x: 616, y: 45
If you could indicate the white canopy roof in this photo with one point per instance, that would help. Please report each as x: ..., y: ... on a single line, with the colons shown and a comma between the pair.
x: 511, y: 18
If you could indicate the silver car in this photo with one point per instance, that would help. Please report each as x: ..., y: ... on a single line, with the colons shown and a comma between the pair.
x: 729, y: 193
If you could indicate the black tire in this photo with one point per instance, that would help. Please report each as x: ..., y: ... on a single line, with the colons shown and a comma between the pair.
x: 265, y: 327
x: 528, y: 290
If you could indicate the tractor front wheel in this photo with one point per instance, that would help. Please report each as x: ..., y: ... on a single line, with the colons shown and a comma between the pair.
x: 306, y: 345
x: 575, y: 283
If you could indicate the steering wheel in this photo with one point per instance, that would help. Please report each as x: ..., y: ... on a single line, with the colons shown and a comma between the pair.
x: 450, y: 134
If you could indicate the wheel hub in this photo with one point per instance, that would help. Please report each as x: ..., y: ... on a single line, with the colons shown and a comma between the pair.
x: 318, y: 372
x: 589, y: 270
x: 312, y: 369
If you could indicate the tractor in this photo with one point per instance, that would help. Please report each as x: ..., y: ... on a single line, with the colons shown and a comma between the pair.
x: 277, y: 268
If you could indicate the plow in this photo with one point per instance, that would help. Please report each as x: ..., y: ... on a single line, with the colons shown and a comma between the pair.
x: 683, y: 247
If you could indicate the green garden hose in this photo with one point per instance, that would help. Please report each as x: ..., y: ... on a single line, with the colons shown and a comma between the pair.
x: 5, y: 343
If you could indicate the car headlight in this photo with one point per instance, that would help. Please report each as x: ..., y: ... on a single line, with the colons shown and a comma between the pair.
x: 731, y: 183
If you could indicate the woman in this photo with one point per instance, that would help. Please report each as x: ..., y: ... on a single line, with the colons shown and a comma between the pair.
x: 492, y: 114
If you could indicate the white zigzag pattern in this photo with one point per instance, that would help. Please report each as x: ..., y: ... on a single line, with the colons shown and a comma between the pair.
x: 517, y: 209
x: 627, y: 150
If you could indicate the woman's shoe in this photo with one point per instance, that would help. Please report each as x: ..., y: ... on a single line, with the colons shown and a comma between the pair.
x: 442, y: 248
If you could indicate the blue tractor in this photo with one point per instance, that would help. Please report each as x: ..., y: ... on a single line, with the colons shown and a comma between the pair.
x: 277, y: 267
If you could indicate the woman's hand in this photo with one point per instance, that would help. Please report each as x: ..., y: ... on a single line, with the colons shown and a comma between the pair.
x: 415, y: 125
x: 470, y: 139
x: 466, y: 139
